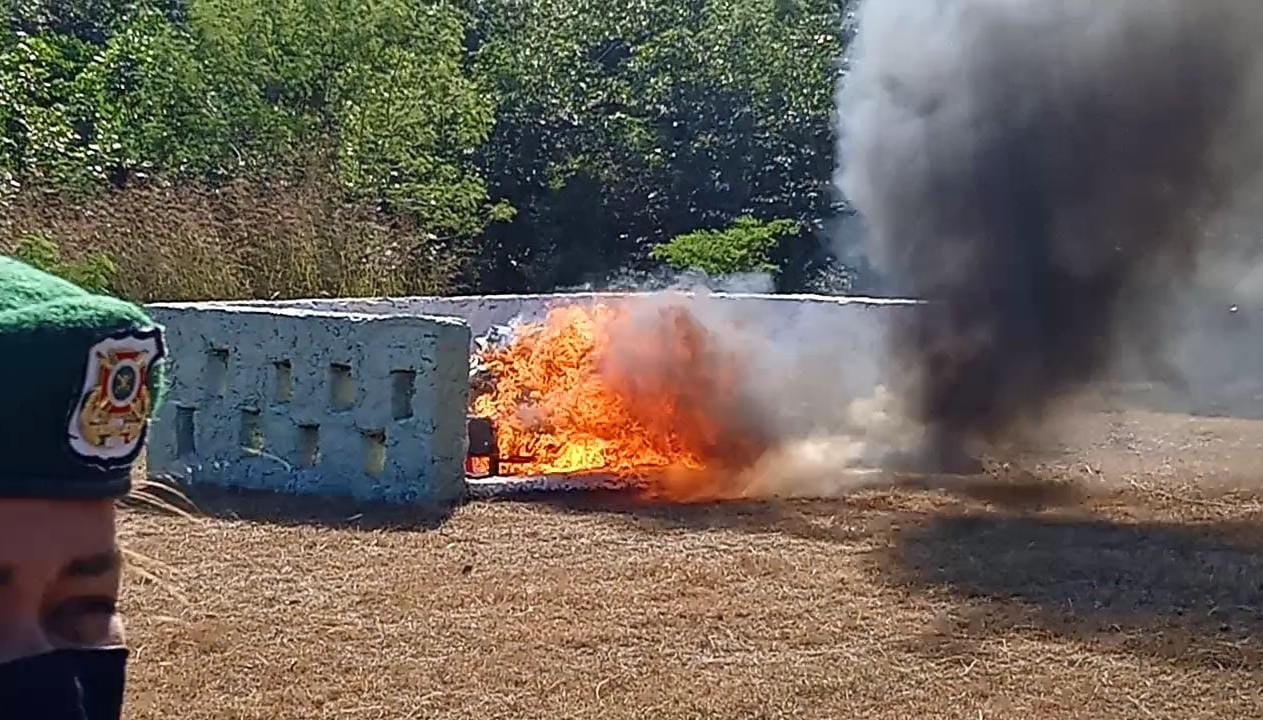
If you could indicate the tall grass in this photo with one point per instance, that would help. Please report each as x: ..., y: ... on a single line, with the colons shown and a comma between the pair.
x: 246, y: 239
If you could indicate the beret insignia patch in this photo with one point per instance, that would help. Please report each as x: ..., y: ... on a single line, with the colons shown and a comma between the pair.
x: 109, y: 422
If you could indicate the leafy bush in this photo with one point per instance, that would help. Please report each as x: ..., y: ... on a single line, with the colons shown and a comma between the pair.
x: 93, y: 272
x: 743, y: 246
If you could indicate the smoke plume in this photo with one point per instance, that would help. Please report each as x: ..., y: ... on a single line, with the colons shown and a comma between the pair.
x: 753, y: 388
x: 1044, y: 174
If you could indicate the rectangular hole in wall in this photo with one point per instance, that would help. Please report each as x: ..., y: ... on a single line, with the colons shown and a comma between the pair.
x: 341, y: 387
x: 184, y: 431
x: 217, y: 372
x: 309, y: 445
x: 402, y: 387
x: 284, y: 381
x: 374, y: 452
x: 252, y: 437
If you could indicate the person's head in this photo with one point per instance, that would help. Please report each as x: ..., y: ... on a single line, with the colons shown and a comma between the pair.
x: 81, y: 376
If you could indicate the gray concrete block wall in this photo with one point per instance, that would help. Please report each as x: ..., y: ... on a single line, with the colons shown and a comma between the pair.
x: 484, y: 311
x: 842, y: 338
x: 307, y: 401
x: 398, y: 434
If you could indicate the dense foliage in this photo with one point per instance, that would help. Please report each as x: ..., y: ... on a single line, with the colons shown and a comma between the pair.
x: 404, y: 146
x: 744, y: 246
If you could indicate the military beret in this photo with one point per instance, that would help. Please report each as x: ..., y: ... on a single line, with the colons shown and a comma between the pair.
x: 82, y: 375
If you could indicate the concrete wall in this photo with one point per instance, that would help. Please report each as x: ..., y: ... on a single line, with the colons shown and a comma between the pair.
x: 1215, y: 353
x: 484, y: 311
x: 378, y: 387
x: 828, y: 348
x: 308, y: 401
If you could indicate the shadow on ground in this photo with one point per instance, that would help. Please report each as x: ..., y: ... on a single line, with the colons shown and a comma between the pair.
x: 1018, y: 556
x: 292, y: 510
x: 1186, y: 592
x: 840, y: 521
x: 1192, y: 593
x: 844, y: 519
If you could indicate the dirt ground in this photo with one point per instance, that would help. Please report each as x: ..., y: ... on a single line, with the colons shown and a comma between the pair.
x: 1116, y: 572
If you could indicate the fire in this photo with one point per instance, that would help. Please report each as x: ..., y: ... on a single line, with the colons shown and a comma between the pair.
x: 644, y: 391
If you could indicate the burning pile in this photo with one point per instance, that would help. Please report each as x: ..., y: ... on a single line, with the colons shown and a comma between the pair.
x: 634, y: 391
x: 1041, y: 173
x: 683, y: 399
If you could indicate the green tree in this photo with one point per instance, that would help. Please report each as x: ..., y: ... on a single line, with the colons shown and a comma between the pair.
x: 103, y: 92
x: 65, y: 68
x: 743, y: 246
x: 381, y: 84
x: 624, y: 125
x: 49, y: 113
x: 560, y: 141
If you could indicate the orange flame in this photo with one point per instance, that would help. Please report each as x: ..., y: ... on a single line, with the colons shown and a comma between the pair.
x: 644, y: 391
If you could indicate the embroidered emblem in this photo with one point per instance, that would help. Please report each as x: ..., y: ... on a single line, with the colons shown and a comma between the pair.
x: 108, y: 424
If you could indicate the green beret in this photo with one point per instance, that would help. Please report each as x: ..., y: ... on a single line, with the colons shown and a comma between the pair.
x: 82, y: 376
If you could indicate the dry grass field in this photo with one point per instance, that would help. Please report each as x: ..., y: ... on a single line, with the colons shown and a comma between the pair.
x: 1116, y: 575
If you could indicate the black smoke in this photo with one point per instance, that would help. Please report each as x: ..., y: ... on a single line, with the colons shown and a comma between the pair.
x: 1042, y: 172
